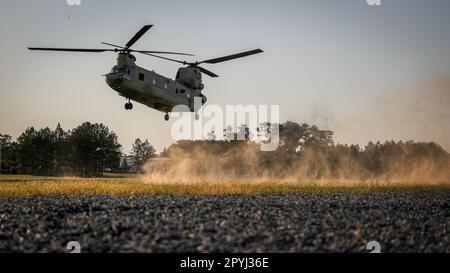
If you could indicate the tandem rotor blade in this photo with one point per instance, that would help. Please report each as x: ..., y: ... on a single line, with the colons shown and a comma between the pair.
x: 113, y: 45
x: 146, y: 51
x: 138, y: 35
x: 207, y: 72
x: 161, y: 52
x: 232, y: 57
x: 210, y: 61
x: 161, y: 57
x: 71, y: 49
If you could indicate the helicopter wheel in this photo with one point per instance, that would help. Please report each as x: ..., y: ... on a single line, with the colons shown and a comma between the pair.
x: 197, y: 116
x: 166, y: 117
x: 128, y: 106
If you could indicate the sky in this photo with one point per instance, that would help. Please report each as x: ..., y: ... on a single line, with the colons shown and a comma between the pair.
x: 366, y: 72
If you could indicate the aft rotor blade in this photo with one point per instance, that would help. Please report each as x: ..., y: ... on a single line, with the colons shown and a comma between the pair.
x: 207, y: 72
x: 138, y: 35
x: 232, y: 57
x: 71, y: 49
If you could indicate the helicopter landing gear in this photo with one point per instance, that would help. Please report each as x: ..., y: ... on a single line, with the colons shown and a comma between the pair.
x: 166, y: 117
x: 197, y: 116
x: 128, y: 105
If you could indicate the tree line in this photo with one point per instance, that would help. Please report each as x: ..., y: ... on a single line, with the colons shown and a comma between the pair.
x: 87, y: 150
x: 305, y: 152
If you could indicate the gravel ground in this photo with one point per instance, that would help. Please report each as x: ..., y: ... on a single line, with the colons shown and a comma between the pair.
x: 341, y: 222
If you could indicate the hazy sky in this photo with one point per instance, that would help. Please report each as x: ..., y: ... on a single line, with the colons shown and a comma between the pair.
x: 368, y: 73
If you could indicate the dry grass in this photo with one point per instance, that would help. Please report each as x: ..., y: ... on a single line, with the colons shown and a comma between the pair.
x: 20, y: 186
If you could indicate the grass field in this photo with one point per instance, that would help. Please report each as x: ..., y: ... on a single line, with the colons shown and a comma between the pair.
x: 20, y: 186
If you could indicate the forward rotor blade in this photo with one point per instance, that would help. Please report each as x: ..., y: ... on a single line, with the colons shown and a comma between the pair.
x: 138, y: 35
x: 113, y: 45
x: 207, y: 72
x: 147, y: 51
x: 161, y: 57
x: 71, y: 49
x: 232, y: 57
x: 161, y: 52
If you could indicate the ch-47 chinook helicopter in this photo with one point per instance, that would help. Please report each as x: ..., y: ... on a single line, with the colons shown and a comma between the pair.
x: 149, y: 88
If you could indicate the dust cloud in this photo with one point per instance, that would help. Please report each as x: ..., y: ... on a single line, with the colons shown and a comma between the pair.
x: 337, y: 164
x: 422, y: 112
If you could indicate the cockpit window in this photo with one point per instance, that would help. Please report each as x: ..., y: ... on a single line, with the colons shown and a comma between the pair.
x: 121, y: 69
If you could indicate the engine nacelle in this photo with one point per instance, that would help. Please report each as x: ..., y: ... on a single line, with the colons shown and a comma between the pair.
x: 191, y: 77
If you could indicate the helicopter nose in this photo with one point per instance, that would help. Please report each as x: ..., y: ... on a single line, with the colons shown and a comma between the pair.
x: 108, y: 80
x: 114, y: 78
x: 113, y: 82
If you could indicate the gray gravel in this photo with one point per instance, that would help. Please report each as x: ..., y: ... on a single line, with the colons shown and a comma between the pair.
x: 341, y: 222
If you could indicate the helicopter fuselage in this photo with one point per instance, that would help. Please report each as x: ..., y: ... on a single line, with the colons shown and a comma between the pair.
x: 151, y: 89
